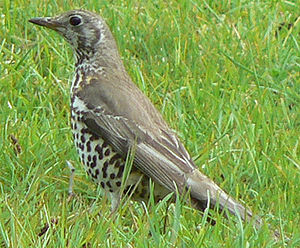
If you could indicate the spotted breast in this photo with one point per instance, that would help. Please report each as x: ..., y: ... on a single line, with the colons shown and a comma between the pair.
x: 104, y: 165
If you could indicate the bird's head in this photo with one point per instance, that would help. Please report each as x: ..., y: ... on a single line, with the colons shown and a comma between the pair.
x: 84, y: 30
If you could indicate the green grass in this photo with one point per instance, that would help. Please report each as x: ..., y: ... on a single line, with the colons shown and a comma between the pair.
x: 221, y: 77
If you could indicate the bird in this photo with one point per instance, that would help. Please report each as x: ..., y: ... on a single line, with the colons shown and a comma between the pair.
x: 111, y: 118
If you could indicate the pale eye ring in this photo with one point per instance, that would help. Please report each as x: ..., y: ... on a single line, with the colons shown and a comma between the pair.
x: 75, y: 20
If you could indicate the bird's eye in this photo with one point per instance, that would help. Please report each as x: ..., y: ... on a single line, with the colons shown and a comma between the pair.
x: 75, y: 20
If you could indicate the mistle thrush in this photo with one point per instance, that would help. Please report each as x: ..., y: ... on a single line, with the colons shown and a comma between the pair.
x: 110, y: 115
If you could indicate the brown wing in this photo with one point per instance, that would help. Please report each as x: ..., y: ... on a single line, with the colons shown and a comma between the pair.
x: 158, y: 153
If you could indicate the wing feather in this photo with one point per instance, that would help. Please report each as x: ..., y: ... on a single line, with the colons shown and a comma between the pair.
x: 157, y: 153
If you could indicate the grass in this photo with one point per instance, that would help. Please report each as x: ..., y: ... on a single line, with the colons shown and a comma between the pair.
x: 225, y: 75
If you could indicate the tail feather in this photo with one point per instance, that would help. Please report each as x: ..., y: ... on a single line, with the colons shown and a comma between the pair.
x: 203, y: 189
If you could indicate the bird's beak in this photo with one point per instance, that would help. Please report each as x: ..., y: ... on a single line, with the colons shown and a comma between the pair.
x: 47, y: 22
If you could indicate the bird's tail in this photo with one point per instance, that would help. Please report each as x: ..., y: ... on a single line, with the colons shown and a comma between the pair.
x: 203, y: 189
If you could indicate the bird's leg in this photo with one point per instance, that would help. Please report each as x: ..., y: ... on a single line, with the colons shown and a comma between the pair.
x: 115, y: 201
x: 71, y: 180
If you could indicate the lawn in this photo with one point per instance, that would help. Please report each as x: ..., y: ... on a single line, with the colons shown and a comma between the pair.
x: 225, y: 75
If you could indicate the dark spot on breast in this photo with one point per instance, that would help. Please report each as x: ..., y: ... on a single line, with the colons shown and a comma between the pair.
x: 107, y: 152
x: 99, y: 150
x: 112, y: 175
x: 118, y: 183
x: 117, y: 164
x: 81, y: 146
x: 104, y: 168
x: 97, y: 172
x: 114, y: 158
x: 102, y: 185
x: 94, y: 137
x: 104, y: 144
x: 88, y: 146
x: 93, y: 165
x: 108, y: 184
x: 89, y: 158
x: 82, y: 138
x: 105, y: 165
x: 84, y: 130
x: 120, y: 172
